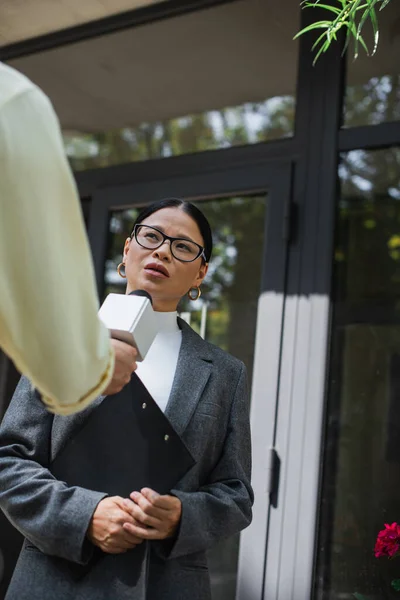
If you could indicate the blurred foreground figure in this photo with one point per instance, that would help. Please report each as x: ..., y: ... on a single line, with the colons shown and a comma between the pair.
x: 48, y: 303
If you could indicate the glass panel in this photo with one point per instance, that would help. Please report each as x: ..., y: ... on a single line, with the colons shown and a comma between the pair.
x: 226, y: 312
x: 245, y: 124
x: 373, y: 83
x: 186, y: 84
x: 361, y: 476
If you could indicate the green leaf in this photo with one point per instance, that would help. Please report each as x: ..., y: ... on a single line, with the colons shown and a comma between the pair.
x: 318, y: 25
x: 370, y: 12
x: 337, y: 11
x: 332, y: 36
x: 396, y: 585
x: 346, y: 14
x: 363, y: 44
x: 358, y: 38
x: 374, y: 21
x: 359, y: 596
x: 323, y: 48
x: 355, y: 6
x: 318, y: 40
x: 347, y: 41
x: 362, y: 20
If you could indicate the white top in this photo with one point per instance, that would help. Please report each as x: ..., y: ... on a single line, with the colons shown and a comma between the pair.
x: 157, y: 370
x: 48, y: 301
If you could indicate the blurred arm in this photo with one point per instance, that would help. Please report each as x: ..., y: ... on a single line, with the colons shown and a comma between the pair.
x: 50, y: 514
x: 48, y: 303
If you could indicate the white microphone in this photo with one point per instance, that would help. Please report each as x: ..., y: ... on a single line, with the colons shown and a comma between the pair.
x: 131, y: 319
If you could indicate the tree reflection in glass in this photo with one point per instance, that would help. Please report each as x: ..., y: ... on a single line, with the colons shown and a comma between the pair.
x: 373, y: 82
x: 361, y: 475
x: 246, y: 124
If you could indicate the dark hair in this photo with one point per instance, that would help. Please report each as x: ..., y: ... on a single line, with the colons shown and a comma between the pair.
x: 191, y: 210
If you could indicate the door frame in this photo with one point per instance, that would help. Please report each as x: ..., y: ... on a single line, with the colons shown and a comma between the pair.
x: 275, y: 178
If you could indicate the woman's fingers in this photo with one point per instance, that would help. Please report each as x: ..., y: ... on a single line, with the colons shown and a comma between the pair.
x: 147, y: 506
x: 130, y: 540
x: 106, y: 527
x: 124, y: 365
x: 157, y: 517
x: 143, y: 515
x: 122, y: 542
x: 153, y: 504
x: 145, y: 533
x: 156, y: 500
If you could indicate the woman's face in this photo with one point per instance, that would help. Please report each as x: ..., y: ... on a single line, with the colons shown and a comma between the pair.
x: 165, y: 289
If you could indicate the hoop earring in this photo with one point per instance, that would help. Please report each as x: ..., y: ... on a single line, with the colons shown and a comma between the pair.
x: 198, y: 293
x: 119, y: 270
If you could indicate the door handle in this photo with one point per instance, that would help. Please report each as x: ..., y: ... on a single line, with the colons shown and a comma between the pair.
x: 274, y: 469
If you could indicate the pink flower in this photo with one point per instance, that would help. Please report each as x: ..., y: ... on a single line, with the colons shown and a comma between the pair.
x: 388, y: 541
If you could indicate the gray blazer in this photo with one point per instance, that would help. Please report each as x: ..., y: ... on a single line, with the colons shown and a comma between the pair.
x: 208, y: 407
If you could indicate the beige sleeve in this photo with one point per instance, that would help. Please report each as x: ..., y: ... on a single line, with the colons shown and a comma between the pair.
x: 48, y: 303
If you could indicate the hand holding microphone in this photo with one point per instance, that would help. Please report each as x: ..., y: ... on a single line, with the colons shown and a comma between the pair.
x: 132, y: 324
x: 124, y: 365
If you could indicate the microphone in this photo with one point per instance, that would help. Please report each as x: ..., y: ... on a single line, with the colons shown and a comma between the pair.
x: 131, y: 319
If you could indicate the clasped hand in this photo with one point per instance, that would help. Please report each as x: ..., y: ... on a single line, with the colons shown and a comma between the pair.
x: 120, y: 524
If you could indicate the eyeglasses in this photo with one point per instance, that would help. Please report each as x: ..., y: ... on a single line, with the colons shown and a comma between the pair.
x: 181, y: 249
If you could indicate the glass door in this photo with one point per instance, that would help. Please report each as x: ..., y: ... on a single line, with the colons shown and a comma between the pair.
x: 361, y: 462
x: 240, y: 310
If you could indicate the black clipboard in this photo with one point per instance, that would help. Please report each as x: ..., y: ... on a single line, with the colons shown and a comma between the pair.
x: 127, y: 443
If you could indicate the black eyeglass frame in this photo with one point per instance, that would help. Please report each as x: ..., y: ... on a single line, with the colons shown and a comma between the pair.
x: 171, y: 239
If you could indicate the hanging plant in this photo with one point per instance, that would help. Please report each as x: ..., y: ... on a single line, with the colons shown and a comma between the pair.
x: 351, y: 15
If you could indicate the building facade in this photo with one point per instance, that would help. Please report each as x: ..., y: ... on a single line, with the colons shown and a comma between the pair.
x: 297, y: 168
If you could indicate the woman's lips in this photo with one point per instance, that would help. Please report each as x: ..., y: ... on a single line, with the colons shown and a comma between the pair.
x: 156, y: 269
x: 155, y: 273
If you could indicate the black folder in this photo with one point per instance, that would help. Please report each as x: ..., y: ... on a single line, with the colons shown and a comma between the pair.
x: 126, y: 443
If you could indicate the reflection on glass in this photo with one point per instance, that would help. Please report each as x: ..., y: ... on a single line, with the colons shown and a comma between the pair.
x: 199, y: 81
x: 225, y: 314
x: 246, y: 124
x: 373, y: 102
x: 373, y: 83
x: 361, y: 469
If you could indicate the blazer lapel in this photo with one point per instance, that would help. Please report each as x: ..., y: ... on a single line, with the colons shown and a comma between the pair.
x: 192, y: 373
